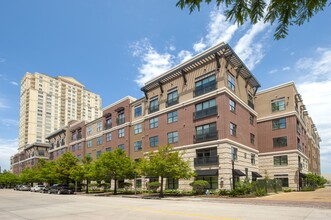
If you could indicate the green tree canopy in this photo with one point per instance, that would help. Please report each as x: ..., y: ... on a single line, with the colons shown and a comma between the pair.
x: 165, y: 163
x: 84, y: 171
x: 284, y: 12
x: 115, y: 165
x: 64, y: 166
x: 8, y: 179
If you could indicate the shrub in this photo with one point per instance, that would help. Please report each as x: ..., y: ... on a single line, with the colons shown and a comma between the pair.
x: 224, y: 192
x: 199, y: 186
x: 260, y: 192
x: 172, y: 191
x: 153, y: 186
x: 287, y: 190
x: 308, y: 188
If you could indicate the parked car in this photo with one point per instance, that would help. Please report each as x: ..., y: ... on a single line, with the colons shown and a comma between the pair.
x: 37, y: 188
x: 25, y: 188
x: 60, y: 189
x: 44, y: 190
x: 17, y: 187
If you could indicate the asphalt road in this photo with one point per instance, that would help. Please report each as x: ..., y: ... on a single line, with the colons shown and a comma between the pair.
x: 28, y: 205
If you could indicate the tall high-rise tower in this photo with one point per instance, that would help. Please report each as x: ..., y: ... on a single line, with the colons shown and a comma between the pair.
x: 48, y: 103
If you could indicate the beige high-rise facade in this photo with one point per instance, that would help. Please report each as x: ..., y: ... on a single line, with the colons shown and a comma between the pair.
x: 49, y: 103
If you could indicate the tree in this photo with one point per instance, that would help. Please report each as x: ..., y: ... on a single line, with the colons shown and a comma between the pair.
x: 115, y: 165
x: 84, y: 171
x: 165, y: 163
x: 284, y: 12
x: 8, y: 179
x: 64, y: 166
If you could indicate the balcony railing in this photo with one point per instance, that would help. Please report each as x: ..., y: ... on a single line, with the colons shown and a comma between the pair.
x: 120, y: 121
x: 153, y: 108
x: 205, y: 161
x: 205, y: 113
x: 299, y: 147
x: 211, y: 135
x: 204, y: 89
x: 250, y: 104
x: 171, y: 102
x: 108, y: 125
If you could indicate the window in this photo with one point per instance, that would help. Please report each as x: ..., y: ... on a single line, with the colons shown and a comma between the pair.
x: 251, y: 119
x: 121, y: 118
x: 99, y: 126
x: 280, y: 142
x: 137, y: 111
x: 99, y: 140
x: 205, y: 132
x: 121, y: 133
x: 138, y: 145
x: 172, y: 117
x: 278, y: 104
x: 173, y: 137
x: 89, y: 130
x: 121, y: 146
x: 233, y: 129
x: 212, y: 181
x: 283, y: 178
x: 279, y: 123
x: 253, y: 159
x: 205, y: 85
x: 172, y: 183
x: 172, y: 98
x: 154, y: 123
x: 154, y: 105
x: 98, y: 154
x: 231, y: 82
x: 206, y: 156
x: 138, y: 128
x: 73, y: 148
x: 108, y: 149
x: 280, y: 160
x: 108, y: 123
x: 154, y: 141
x: 79, y: 146
x: 250, y: 101
x: 108, y: 137
x: 138, y: 183
x: 252, y: 137
x: 234, y: 153
x: 232, y: 105
x: 89, y: 143
x: 205, y: 109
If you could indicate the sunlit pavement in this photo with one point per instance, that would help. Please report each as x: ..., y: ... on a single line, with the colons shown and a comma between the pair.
x: 28, y: 205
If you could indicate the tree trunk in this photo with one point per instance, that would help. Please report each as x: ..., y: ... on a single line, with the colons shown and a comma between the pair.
x: 115, y: 186
x: 86, y: 188
x: 161, y: 191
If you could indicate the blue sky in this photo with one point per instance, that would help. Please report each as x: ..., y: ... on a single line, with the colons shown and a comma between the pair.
x: 113, y: 47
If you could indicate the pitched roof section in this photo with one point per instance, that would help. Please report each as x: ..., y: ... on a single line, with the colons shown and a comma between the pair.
x: 220, y: 50
x: 70, y: 80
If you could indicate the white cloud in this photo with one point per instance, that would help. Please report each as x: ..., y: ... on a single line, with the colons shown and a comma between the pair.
x: 13, y: 83
x: 3, y: 103
x: 8, y: 122
x: 218, y: 30
x: 153, y: 63
x: 315, y: 88
x: 273, y: 71
x: 8, y: 147
x: 248, y: 48
x: 184, y: 55
x: 286, y: 68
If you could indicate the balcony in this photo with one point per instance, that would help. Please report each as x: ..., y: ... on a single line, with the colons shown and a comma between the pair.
x: 120, y: 121
x: 79, y: 136
x: 204, y: 89
x: 299, y: 147
x: 205, y: 161
x: 250, y: 104
x: 108, y: 125
x: 205, y: 113
x: 153, y: 108
x: 210, y: 136
x: 172, y: 102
